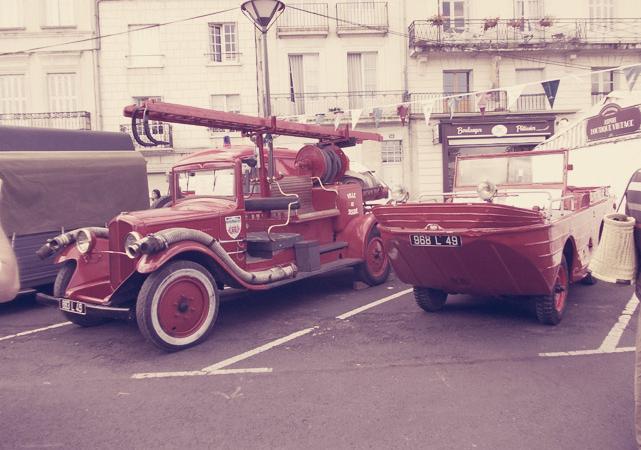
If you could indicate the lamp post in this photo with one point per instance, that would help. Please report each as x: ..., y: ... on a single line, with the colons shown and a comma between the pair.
x: 263, y: 13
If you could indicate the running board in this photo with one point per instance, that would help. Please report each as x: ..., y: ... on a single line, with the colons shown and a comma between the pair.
x: 325, y: 268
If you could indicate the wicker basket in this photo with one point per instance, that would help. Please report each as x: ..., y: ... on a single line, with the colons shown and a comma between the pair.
x: 615, y: 258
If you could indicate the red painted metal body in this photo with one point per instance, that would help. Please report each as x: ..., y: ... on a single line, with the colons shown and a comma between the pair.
x: 505, y: 249
x: 335, y: 215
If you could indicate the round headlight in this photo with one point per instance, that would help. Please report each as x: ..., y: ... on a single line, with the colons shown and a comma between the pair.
x: 85, y: 241
x: 486, y: 190
x: 132, y: 249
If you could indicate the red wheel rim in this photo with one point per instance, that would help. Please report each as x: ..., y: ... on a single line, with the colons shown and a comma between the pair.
x: 376, y: 258
x: 183, y: 307
x: 560, y: 289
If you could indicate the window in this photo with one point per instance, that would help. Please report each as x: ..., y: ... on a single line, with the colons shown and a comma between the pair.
x: 601, y: 13
x: 602, y: 83
x: 218, y: 182
x: 391, y: 152
x: 457, y: 82
x: 11, y: 14
x: 223, y: 44
x: 59, y: 13
x: 61, y: 88
x: 304, y: 80
x: 453, y: 12
x: 12, y: 94
x: 529, y: 9
x: 601, y: 9
x: 361, y: 77
x: 533, y: 96
x: 224, y: 102
x: 144, y: 46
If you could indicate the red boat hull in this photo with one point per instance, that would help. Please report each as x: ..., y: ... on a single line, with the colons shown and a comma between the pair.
x: 504, y: 250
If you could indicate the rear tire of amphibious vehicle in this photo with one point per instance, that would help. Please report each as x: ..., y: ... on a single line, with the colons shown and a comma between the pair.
x: 550, y: 308
x: 376, y: 268
x: 177, y: 305
x: 430, y: 300
x: 59, y: 289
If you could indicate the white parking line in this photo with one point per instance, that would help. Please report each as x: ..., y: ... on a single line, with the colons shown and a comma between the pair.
x: 37, y: 330
x: 611, y: 341
x: 215, y: 369
x: 194, y: 373
x: 353, y: 312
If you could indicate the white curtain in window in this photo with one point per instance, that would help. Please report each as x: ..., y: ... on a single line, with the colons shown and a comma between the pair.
x: 12, y: 94
x: 361, y: 77
x: 61, y: 88
x: 11, y: 14
x: 59, y: 12
x: 297, y: 83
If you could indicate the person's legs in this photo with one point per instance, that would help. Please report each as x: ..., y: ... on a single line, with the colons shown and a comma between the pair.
x: 637, y: 375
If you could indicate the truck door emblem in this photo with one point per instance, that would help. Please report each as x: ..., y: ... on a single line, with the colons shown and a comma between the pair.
x: 233, y: 224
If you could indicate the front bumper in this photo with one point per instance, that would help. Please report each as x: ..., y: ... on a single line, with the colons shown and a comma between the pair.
x: 108, y: 312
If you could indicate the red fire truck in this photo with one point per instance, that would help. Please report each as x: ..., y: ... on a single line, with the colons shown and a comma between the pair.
x: 232, y: 223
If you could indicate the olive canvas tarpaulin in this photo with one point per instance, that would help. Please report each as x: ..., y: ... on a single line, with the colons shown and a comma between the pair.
x: 44, y: 191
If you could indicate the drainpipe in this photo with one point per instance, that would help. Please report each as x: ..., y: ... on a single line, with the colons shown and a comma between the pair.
x: 96, y: 67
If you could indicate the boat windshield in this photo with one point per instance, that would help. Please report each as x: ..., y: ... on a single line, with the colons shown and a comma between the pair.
x: 511, y: 169
x: 217, y: 182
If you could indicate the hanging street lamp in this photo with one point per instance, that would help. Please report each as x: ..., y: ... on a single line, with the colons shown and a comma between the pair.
x: 263, y: 13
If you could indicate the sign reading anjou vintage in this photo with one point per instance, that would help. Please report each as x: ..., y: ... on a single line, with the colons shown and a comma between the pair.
x: 613, y: 121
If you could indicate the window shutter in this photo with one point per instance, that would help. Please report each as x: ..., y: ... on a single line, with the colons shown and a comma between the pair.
x: 12, y: 94
x: 369, y: 71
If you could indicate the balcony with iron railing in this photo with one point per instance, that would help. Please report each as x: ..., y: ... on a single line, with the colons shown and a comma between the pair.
x: 159, y: 131
x: 438, y: 33
x: 496, y: 101
x: 72, y: 120
x: 304, y: 19
x: 311, y: 104
x: 362, y: 18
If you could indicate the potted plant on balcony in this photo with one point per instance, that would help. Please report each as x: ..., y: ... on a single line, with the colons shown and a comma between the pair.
x: 437, y: 20
x: 516, y: 23
x: 490, y: 22
x: 545, y: 22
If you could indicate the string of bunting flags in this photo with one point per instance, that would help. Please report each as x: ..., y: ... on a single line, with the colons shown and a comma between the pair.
x: 550, y: 87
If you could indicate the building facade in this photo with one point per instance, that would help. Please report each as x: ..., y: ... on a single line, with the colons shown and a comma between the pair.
x: 41, y: 83
x: 462, y: 46
x: 377, y: 65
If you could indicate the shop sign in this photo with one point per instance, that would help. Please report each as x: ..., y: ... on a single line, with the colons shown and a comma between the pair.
x: 498, y: 129
x: 613, y: 121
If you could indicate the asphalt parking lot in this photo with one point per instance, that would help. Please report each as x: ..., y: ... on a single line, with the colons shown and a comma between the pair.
x: 319, y: 365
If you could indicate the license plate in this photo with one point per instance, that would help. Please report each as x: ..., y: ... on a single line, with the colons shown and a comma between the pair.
x: 73, y: 306
x: 435, y: 240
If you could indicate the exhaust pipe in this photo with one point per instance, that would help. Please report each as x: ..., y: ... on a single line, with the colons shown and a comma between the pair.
x: 156, y: 242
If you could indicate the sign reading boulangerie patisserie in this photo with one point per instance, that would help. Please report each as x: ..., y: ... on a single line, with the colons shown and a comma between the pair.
x: 613, y: 121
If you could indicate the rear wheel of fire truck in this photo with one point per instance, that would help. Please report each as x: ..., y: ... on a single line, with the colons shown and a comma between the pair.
x: 59, y: 289
x: 376, y: 268
x: 177, y: 305
x: 550, y: 308
x: 430, y: 300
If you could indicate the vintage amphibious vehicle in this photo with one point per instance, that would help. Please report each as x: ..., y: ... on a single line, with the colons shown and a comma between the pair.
x: 511, y: 227
x: 232, y: 222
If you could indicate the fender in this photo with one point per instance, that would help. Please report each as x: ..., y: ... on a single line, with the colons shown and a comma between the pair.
x: 356, y: 233
x: 150, y: 263
x: 91, y: 269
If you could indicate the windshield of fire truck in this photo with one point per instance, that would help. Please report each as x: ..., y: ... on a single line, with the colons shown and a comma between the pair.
x: 208, y: 183
x: 511, y: 169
